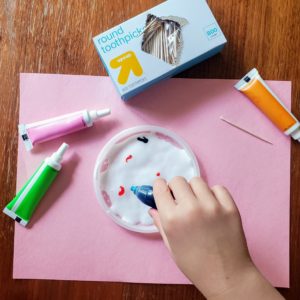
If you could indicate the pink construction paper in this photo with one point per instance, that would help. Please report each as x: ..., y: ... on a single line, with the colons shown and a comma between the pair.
x: 71, y: 238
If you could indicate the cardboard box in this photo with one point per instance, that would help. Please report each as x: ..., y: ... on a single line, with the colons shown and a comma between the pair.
x: 158, y: 44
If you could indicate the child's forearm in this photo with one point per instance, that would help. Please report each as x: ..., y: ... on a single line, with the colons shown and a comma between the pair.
x: 250, y: 285
x: 202, y: 228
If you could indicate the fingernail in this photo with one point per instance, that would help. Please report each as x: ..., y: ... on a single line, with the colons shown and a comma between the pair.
x: 150, y: 212
x: 160, y: 179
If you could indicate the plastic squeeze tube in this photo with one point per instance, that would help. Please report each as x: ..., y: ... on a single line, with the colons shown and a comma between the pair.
x: 256, y: 89
x: 42, y: 131
x: 145, y: 194
x: 25, y: 202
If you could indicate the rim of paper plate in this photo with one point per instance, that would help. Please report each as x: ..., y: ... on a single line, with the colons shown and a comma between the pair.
x: 106, y: 149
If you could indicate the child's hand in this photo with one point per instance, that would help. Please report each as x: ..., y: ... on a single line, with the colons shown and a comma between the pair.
x: 202, y: 228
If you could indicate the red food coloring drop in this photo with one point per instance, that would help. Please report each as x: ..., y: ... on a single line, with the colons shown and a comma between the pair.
x: 157, y: 174
x: 121, y: 191
x: 128, y: 157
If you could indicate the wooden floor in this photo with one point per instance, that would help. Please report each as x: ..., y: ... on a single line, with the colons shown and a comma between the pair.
x: 55, y: 37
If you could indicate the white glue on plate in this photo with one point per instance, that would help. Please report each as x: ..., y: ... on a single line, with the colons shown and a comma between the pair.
x: 138, y: 156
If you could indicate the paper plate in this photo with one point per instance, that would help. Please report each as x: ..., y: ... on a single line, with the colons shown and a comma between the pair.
x: 137, y: 156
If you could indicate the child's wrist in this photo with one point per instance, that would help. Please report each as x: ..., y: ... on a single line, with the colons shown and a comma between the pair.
x: 227, y: 281
x: 231, y: 285
x: 247, y: 284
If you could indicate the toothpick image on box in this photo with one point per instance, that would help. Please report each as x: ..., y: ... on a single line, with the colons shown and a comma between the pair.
x: 162, y: 37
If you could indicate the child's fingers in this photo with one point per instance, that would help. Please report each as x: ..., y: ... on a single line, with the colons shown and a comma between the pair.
x: 162, y: 196
x: 181, y: 190
x: 224, y: 197
x: 202, y: 191
x: 156, y: 219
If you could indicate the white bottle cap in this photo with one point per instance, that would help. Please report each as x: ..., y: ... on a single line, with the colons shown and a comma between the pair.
x: 296, y: 134
x: 55, y: 159
x: 294, y: 131
x: 92, y: 115
x: 58, y: 155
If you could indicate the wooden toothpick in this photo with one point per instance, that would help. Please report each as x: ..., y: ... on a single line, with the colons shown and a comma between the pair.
x: 245, y: 130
